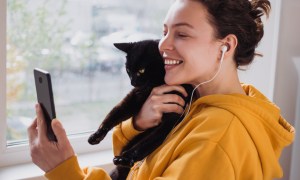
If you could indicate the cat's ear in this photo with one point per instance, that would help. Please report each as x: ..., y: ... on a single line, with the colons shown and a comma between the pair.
x: 124, y: 46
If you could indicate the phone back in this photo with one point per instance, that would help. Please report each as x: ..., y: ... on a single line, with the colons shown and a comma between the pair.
x: 45, y: 98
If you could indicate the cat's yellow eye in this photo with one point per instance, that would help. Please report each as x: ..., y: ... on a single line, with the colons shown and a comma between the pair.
x: 141, y: 71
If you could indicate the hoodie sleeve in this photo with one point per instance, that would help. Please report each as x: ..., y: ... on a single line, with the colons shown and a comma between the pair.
x: 215, y: 164
x: 123, y: 133
x: 70, y: 169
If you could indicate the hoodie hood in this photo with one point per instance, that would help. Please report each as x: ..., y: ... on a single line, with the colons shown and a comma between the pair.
x: 269, y: 131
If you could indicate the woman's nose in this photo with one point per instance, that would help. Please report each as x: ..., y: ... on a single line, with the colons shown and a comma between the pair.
x: 165, y: 44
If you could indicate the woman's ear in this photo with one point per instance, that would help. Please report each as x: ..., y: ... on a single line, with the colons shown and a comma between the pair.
x: 231, y: 42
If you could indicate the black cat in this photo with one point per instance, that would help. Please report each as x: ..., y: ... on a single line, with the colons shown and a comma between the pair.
x: 145, y: 67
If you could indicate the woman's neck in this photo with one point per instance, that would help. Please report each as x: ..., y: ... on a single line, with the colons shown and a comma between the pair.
x: 223, y: 84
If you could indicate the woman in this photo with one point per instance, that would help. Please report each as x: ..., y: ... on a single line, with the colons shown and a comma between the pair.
x: 230, y: 131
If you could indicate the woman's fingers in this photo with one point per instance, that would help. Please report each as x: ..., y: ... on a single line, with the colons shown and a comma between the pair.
x: 166, y: 88
x: 165, y: 108
x: 59, y: 132
x: 170, y: 99
x: 169, y: 108
x: 41, y: 124
x: 157, y: 103
x: 44, y: 153
x: 32, y: 131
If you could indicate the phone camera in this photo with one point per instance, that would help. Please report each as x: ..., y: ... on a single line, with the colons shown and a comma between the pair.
x: 40, y: 79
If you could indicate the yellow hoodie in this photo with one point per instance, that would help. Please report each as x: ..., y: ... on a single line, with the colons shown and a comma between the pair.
x: 223, y: 137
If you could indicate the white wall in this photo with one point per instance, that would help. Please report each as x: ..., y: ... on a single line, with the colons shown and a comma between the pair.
x: 286, y: 81
x: 261, y: 73
x: 295, y: 156
x: 275, y: 74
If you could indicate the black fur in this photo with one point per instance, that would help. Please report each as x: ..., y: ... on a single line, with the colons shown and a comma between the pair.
x: 145, y: 68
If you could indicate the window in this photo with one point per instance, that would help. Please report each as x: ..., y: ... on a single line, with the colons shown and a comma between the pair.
x: 73, y: 40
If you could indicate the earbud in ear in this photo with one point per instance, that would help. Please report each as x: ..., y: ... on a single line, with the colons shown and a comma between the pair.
x: 225, y: 48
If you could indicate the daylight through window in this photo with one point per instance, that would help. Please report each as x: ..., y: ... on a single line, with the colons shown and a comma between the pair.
x: 73, y: 40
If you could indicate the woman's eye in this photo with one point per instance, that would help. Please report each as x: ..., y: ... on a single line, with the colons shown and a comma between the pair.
x: 182, y: 35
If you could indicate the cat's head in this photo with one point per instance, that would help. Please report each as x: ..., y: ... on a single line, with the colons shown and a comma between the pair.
x: 144, y: 63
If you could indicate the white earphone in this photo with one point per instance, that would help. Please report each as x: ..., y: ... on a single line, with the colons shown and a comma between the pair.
x: 224, y: 49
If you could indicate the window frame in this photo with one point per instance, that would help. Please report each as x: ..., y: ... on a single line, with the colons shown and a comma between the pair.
x: 2, y: 79
x: 17, y: 154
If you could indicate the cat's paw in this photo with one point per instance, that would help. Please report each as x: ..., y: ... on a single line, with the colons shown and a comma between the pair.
x: 98, y: 136
x: 123, y: 161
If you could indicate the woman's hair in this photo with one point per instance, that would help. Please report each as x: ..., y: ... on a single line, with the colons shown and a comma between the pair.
x: 241, y: 18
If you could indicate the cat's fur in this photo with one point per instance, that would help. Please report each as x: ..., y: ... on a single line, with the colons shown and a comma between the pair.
x: 145, y: 68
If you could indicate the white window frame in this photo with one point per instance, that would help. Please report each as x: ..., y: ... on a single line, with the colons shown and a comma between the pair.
x: 18, y: 154
x: 2, y: 78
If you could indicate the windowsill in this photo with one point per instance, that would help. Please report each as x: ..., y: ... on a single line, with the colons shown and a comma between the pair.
x: 30, y: 171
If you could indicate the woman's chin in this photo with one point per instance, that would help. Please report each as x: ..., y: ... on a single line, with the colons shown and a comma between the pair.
x: 172, y: 82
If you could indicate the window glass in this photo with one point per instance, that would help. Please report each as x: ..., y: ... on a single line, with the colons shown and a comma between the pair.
x: 73, y: 40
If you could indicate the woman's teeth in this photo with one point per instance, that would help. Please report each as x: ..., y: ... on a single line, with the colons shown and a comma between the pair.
x: 172, y: 62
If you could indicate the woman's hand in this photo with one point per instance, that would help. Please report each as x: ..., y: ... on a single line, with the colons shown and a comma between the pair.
x: 44, y: 153
x: 158, y: 103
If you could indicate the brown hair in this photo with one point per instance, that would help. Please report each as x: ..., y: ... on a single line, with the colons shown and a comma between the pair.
x: 241, y: 18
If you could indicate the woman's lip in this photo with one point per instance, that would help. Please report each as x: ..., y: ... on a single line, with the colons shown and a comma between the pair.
x: 171, y: 66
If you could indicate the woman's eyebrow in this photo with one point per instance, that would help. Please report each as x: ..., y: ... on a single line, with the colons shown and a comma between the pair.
x: 181, y: 24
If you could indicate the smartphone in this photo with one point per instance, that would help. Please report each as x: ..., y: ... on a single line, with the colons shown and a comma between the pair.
x: 45, y: 98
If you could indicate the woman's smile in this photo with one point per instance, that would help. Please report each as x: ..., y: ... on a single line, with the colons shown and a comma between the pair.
x: 171, y: 63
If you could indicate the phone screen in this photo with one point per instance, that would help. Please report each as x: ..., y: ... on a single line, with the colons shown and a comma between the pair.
x: 45, y: 98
